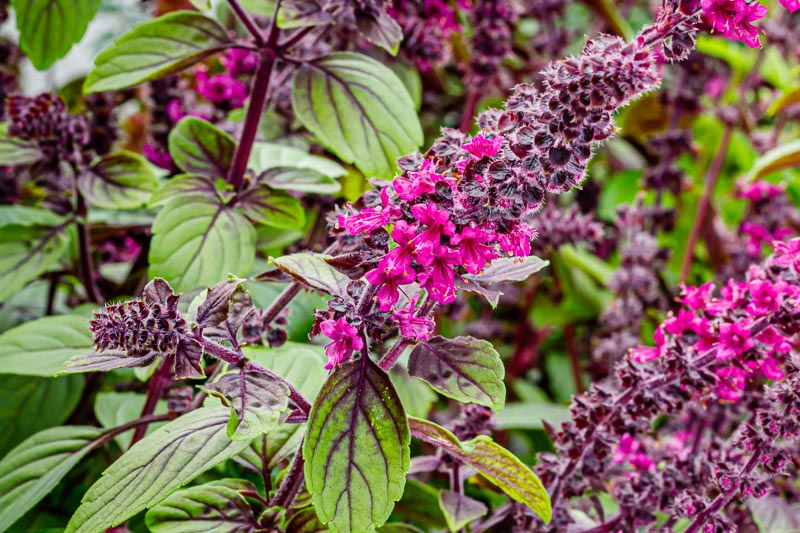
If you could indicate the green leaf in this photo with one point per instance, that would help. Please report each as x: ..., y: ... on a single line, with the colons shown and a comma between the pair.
x: 49, y: 28
x: 787, y: 98
x: 356, y: 448
x: 278, y: 209
x: 41, y: 346
x: 266, y: 156
x: 302, y: 365
x: 197, y: 241
x: 199, y: 147
x: 31, y: 404
x: 305, y: 521
x: 256, y: 401
x: 312, y: 270
x: 182, y: 449
x: 497, y: 464
x: 419, y: 505
x: 300, y: 180
x: 465, y: 369
x: 303, y: 14
x: 114, y: 409
x: 529, y: 415
x: 358, y: 109
x: 122, y: 180
x: 15, y: 151
x: 459, y: 510
x: 785, y: 156
x: 26, y: 253
x: 32, y: 469
x: 155, y: 49
x: 20, y: 215
x: 185, y: 185
x: 416, y: 395
x: 215, y: 507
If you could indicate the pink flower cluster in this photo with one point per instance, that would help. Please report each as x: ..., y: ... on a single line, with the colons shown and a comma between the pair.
x: 225, y: 87
x: 737, y: 326
x: 734, y: 18
x: 757, y: 230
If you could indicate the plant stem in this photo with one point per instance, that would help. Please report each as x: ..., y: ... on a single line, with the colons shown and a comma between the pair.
x: 255, y: 108
x: 247, y: 21
x: 292, y: 481
x: 468, y: 115
x: 394, y: 353
x: 158, y: 383
x: 55, y: 278
x: 87, y: 270
x: 705, y: 201
x: 113, y: 432
x: 283, y: 299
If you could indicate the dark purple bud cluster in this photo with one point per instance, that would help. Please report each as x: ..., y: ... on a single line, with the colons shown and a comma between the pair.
x: 557, y: 226
x: 427, y: 28
x: 492, y: 38
x: 44, y: 119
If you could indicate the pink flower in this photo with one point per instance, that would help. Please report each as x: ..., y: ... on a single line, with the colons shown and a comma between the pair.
x: 643, y: 354
x: 389, y: 282
x: 220, y: 88
x: 734, y: 340
x: 791, y: 5
x: 696, y: 298
x: 475, y: 253
x: 413, y: 327
x: 776, y: 342
x: 158, y: 157
x: 730, y: 383
x: 760, y: 190
x: 517, y: 242
x: 765, y: 297
x: 369, y: 219
x: 399, y: 258
x: 683, y: 321
x: 732, y: 19
x: 787, y: 254
x: 418, y: 183
x: 438, y: 222
x: 439, y: 277
x: 238, y: 61
x: 628, y: 450
x: 481, y: 147
x: 345, y: 340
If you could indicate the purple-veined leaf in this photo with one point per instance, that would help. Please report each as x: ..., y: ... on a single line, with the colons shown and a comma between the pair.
x: 216, y: 307
x: 155, y: 466
x: 31, y: 470
x: 465, y: 369
x: 21, y: 215
x: 419, y: 504
x: 497, y: 464
x: 459, y: 510
x: 105, y: 361
x: 278, y: 209
x: 508, y: 269
x: 299, y: 179
x: 199, y: 240
x: 114, y: 409
x: 122, y: 180
x: 14, y: 151
x: 356, y: 448
x: 26, y: 252
x: 39, y: 347
x: 380, y: 29
x: 155, y: 49
x: 215, y: 507
x: 199, y: 147
x: 305, y: 521
x: 49, y: 28
x: 303, y: 13
x: 188, y: 360
x: 358, y: 109
x: 240, y: 305
x: 158, y: 291
x: 188, y: 185
x: 256, y: 401
x: 491, y: 294
x: 313, y: 271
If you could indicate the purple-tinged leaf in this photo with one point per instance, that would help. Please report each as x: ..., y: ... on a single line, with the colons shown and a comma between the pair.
x: 305, y: 521
x: 122, y: 180
x: 214, y: 309
x: 188, y: 363
x: 105, y: 361
x: 465, y: 369
x: 154, y: 467
x: 27, y: 252
x: 380, y: 29
x: 277, y: 209
x: 239, y: 307
x: 419, y: 505
x: 356, y: 448
x: 313, y: 271
x: 497, y: 464
x: 303, y: 13
x: 215, y: 507
x: 199, y: 147
x: 492, y: 295
x: 459, y: 510
x: 508, y: 269
x: 158, y: 291
x: 256, y: 401
x: 187, y: 185
x: 14, y: 151
x: 784, y: 156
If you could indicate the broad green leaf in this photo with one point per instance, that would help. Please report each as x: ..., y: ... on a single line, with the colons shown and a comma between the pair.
x: 16, y: 151
x: 356, y: 448
x: 358, y: 109
x: 26, y: 253
x: 32, y: 469
x: 266, y: 156
x: 419, y: 505
x: 416, y: 395
x: 155, y: 49
x: 122, y: 180
x: 49, y: 28
x: 20, y: 215
x: 113, y: 409
x: 155, y: 466
x: 305, y: 521
x: 198, y: 241
x: 185, y: 185
x: 31, y: 404
x: 588, y: 263
x: 265, y: 8
x: 507, y: 269
x: 215, y: 507
x: 529, y: 415
x: 409, y: 75
x: 312, y: 270
x: 300, y: 180
x: 41, y: 346
x: 278, y: 209
x: 497, y: 464
x: 256, y: 401
x: 785, y: 156
x: 465, y: 369
x: 459, y: 510
x: 199, y: 147
x: 787, y: 98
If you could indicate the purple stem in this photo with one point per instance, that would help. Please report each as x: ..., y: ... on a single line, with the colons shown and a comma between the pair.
x: 247, y: 21
x: 158, y: 383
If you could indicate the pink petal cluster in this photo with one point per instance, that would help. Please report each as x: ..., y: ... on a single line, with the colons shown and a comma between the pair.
x: 733, y: 18
x: 629, y: 451
x: 345, y: 340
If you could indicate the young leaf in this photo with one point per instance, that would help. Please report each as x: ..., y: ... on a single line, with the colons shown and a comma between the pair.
x: 491, y: 294
x: 214, y: 309
x: 199, y: 147
x: 49, y: 28
x: 256, y: 401
x: 32, y: 469
x: 380, y: 29
x: 358, y: 109
x: 26, y: 253
x: 497, y: 464
x: 105, y: 361
x: 272, y: 208
x: 356, y: 448
x: 182, y: 449
x: 215, y: 507
x: 459, y: 510
x: 41, y: 346
x: 303, y: 13
x: 312, y: 270
x: 122, y: 180
x: 464, y: 368
x: 197, y: 241
x: 188, y: 362
x: 156, y: 48
x: 507, y: 269
x: 113, y: 409
x: 15, y: 151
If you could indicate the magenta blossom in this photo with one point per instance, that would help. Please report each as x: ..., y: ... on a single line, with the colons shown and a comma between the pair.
x: 238, y: 61
x: 418, y: 328
x: 345, y: 340
x: 389, y: 282
x: 730, y: 383
x: 734, y: 340
x: 419, y: 183
x: 438, y: 222
x: 369, y: 219
x: 481, y: 147
x: 399, y: 258
x: 642, y: 354
x: 475, y: 253
x: 159, y: 157
x: 791, y: 5
x: 629, y: 451
x: 439, y: 277
x: 220, y: 88
x: 732, y: 19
